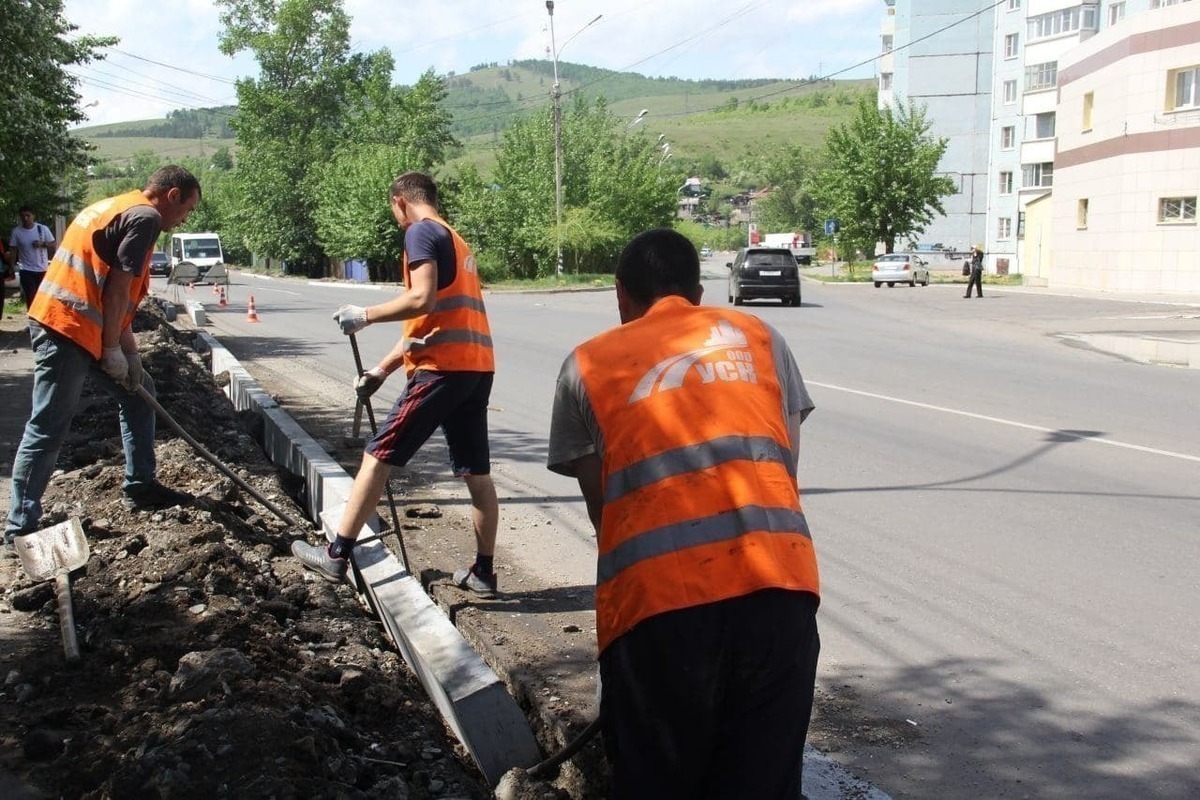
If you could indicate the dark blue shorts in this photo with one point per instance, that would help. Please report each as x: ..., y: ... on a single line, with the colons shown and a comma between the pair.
x: 454, y: 401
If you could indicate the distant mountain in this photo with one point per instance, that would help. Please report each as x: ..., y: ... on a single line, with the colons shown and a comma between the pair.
x: 702, y: 119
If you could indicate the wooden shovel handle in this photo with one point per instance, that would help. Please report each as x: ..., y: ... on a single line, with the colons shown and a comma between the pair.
x: 66, y: 615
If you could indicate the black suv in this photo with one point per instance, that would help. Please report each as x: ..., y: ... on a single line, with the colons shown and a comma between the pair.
x: 159, y: 263
x: 763, y: 272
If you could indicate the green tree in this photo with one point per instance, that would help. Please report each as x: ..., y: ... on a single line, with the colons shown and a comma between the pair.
x: 791, y: 205
x: 390, y: 130
x: 289, y: 119
x: 880, y: 180
x: 615, y: 184
x: 40, y: 162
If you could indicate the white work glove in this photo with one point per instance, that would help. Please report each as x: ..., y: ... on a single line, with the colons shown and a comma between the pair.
x: 134, y: 379
x: 115, y: 364
x: 351, y: 319
x: 369, y: 382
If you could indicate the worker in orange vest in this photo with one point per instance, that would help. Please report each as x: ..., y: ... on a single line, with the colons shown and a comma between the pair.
x: 446, y: 351
x: 80, y: 324
x: 682, y: 427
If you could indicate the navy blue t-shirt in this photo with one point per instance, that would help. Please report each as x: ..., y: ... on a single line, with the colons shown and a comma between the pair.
x: 430, y: 241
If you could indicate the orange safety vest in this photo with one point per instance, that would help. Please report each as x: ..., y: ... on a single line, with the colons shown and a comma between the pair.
x: 70, y: 298
x: 456, y: 334
x: 700, y: 495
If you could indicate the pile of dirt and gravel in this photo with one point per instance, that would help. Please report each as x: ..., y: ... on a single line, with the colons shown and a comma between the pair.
x: 212, y: 666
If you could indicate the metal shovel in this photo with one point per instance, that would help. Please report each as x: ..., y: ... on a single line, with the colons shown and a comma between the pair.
x: 52, y: 553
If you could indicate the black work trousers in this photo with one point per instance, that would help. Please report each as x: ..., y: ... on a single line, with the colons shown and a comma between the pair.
x: 712, y: 701
x: 976, y: 281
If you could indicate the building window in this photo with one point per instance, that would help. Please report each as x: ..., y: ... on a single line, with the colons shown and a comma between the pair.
x: 1081, y: 213
x: 1010, y: 92
x: 1005, y: 183
x: 885, y: 81
x: 1165, y: 3
x: 1010, y: 45
x: 1041, y: 76
x: 1116, y: 13
x: 1020, y: 224
x: 1062, y: 22
x: 1089, y: 101
x: 1043, y: 125
x: 1004, y: 228
x: 1035, y: 176
x: 887, y: 43
x: 1014, y: 5
x: 1177, y: 209
x: 1008, y: 137
x: 1187, y: 87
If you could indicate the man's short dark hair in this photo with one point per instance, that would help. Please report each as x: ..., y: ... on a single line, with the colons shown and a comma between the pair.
x: 657, y: 263
x: 416, y: 187
x: 173, y: 177
x: 25, y: 210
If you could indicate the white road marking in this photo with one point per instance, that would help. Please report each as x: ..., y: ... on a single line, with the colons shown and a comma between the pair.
x: 1011, y: 423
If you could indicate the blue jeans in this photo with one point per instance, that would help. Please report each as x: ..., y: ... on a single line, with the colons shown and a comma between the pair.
x: 59, y: 369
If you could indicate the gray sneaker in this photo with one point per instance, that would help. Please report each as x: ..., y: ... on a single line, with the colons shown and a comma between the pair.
x: 472, y: 581
x: 317, y: 559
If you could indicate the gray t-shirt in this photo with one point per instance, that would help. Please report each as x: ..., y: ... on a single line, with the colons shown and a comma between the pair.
x: 30, y: 258
x: 126, y: 241
x: 574, y: 431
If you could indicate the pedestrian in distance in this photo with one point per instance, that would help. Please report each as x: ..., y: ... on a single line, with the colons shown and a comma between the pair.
x: 682, y: 428
x: 976, y: 279
x: 31, y: 243
x: 80, y: 326
x: 446, y: 352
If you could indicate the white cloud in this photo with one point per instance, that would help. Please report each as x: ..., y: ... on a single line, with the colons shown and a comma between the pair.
x: 683, y: 38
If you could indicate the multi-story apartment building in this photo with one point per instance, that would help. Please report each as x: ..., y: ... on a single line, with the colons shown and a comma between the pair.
x: 1127, y: 169
x: 938, y: 55
x: 1109, y: 200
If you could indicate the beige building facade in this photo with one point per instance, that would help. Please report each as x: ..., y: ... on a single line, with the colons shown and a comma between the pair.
x: 1127, y: 168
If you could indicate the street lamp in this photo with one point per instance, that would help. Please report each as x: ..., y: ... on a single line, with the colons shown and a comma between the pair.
x: 555, y: 96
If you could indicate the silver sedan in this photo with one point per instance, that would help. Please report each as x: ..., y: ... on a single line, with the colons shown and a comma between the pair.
x: 896, y: 268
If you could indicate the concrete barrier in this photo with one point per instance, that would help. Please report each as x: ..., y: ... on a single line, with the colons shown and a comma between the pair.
x: 472, y: 700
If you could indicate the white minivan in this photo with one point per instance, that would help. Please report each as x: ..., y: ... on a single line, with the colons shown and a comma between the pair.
x: 201, y: 249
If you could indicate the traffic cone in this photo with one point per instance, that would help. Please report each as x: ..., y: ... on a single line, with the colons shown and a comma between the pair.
x: 191, y: 287
x: 251, y: 314
x: 216, y: 289
x: 223, y: 302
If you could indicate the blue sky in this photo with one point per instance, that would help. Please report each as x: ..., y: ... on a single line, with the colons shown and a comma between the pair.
x: 684, y: 38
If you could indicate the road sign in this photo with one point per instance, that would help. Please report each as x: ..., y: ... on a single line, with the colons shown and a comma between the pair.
x: 831, y: 227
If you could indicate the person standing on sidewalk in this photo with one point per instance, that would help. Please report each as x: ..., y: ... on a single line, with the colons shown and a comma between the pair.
x: 682, y: 427
x: 446, y: 351
x: 976, y: 272
x: 31, y: 242
x: 80, y: 326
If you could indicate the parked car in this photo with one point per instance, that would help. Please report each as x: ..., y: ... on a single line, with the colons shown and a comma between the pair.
x: 159, y: 263
x: 764, y: 272
x: 706, y: 252
x: 896, y: 268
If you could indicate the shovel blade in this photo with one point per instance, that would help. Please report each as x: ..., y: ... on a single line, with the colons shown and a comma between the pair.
x: 43, y: 553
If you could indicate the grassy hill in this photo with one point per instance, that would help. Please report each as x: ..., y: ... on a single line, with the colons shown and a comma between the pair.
x: 703, y: 120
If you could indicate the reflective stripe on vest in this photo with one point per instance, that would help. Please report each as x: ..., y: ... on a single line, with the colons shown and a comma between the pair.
x: 455, y: 336
x: 70, y: 299
x: 700, y: 496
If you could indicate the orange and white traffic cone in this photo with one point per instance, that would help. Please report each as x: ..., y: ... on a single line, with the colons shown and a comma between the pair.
x: 216, y: 289
x: 191, y: 287
x: 223, y: 302
x: 251, y: 313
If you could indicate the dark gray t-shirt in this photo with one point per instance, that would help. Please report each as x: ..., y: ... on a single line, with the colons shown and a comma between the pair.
x: 429, y: 241
x: 126, y: 241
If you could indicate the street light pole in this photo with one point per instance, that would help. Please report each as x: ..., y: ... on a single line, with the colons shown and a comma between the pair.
x: 555, y: 97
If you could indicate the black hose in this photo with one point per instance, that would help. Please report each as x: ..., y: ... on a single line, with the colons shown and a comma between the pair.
x: 543, y: 768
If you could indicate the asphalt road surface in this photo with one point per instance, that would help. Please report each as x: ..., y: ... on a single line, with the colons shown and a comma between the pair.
x: 1008, y: 524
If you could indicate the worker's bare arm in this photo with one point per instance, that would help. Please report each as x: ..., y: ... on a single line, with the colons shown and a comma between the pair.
x: 587, y: 471
x: 415, y: 301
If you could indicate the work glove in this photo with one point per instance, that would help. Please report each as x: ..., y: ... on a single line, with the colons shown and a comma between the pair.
x: 134, y: 379
x: 369, y: 382
x: 351, y: 319
x: 115, y: 364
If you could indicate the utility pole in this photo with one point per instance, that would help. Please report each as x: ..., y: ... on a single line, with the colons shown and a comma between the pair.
x: 556, y: 99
